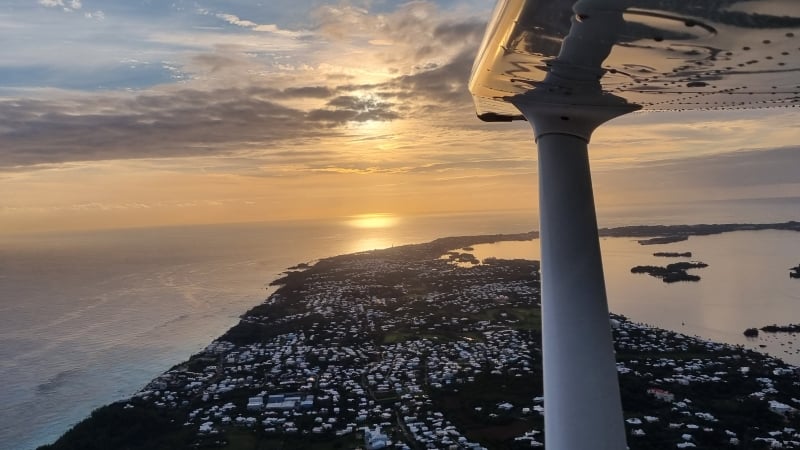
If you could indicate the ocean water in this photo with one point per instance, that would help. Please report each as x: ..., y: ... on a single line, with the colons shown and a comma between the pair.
x: 89, y: 318
x: 746, y: 285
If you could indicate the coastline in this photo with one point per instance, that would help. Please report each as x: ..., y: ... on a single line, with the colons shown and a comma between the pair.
x: 295, y: 279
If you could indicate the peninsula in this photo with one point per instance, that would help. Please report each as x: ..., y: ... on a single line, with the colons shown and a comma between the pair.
x: 404, y: 348
x: 665, y: 234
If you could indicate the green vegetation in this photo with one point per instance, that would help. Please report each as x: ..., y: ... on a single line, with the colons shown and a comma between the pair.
x: 115, y: 427
x: 473, y: 407
x: 672, y: 272
x: 524, y: 319
x: 247, y: 439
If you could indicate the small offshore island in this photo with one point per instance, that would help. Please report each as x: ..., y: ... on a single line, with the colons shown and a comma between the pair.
x: 404, y: 348
x: 672, y: 272
x: 792, y: 328
x: 673, y: 254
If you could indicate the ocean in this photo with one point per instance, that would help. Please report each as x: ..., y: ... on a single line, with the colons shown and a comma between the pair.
x: 87, y: 318
x: 745, y: 285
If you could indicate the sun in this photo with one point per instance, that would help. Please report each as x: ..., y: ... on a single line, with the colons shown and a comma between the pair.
x: 373, y: 126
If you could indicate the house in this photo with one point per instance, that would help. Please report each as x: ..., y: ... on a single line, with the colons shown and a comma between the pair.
x: 374, y: 439
x: 780, y: 408
x: 288, y: 402
x: 661, y: 394
x: 255, y: 403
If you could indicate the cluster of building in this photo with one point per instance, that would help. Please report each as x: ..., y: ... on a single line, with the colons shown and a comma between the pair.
x: 733, y: 382
x: 377, y: 343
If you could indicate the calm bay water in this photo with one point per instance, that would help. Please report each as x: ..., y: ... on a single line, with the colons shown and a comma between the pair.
x: 746, y: 285
x: 89, y: 318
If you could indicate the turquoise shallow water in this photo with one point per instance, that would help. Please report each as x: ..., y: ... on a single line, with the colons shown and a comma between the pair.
x: 89, y: 318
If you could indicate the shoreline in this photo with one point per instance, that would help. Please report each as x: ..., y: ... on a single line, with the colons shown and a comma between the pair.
x: 413, y: 251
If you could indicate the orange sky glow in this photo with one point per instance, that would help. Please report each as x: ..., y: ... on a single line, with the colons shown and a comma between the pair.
x: 353, y: 112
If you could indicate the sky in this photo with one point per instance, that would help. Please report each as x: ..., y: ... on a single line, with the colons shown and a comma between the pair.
x: 131, y: 113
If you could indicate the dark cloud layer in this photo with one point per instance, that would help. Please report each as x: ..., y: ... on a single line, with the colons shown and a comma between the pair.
x: 446, y: 83
x: 348, y: 108
x: 306, y: 92
x: 180, y: 123
x: 470, y: 31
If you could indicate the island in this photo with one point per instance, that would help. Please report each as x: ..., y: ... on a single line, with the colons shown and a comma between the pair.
x: 404, y: 348
x: 663, y: 239
x: 791, y: 328
x: 672, y: 272
x: 673, y: 254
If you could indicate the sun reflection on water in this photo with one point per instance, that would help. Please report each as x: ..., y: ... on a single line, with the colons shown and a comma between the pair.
x: 373, y: 220
x: 375, y: 231
x: 370, y: 243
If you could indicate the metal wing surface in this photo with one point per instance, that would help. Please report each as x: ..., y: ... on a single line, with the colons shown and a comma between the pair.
x: 648, y: 54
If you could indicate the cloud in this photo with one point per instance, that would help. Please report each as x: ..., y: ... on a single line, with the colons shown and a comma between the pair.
x: 267, y: 28
x: 445, y: 83
x: 429, y: 52
x: 215, y: 63
x: 183, y: 122
x: 249, y: 95
x: 341, y: 116
x: 233, y: 20
x: 306, y: 92
x: 174, y: 123
x: 348, y: 108
x: 506, y: 165
x: 361, y: 109
x: 344, y: 20
x: 96, y: 15
x: 69, y: 5
x: 355, y: 170
x: 412, y: 35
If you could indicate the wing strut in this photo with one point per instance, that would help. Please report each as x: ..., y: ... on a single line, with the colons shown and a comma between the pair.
x: 581, y: 391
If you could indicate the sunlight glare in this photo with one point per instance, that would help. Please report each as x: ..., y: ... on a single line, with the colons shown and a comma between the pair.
x: 370, y: 243
x: 373, y: 127
x: 373, y: 220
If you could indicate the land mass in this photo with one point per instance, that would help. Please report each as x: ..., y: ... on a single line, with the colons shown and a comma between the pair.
x: 401, y: 347
x: 673, y: 254
x: 672, y: 273
x: 664, y: 239
x: 791, y: 328
x: 665, y: 234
